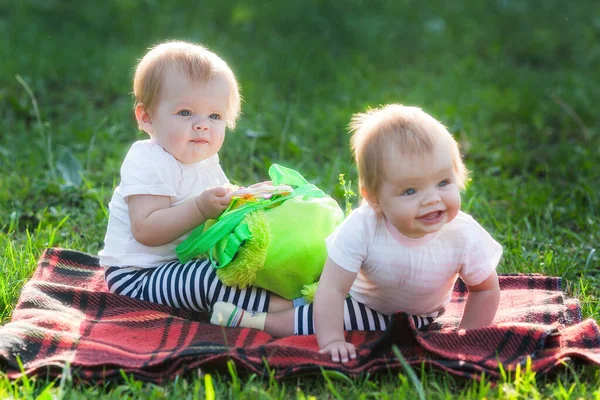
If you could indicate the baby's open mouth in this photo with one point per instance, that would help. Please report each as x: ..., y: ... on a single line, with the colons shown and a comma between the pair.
x: 432, y: 216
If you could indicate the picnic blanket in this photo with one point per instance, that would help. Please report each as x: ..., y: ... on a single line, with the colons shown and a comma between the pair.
x: 65, y: 316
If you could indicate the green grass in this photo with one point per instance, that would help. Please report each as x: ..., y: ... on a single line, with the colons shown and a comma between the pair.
x: 516, y: 82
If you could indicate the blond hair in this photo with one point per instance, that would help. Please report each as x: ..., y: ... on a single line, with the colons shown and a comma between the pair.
x: 410, y: 130
x: 194, y: 60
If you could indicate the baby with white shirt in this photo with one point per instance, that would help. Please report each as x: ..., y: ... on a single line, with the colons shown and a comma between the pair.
x: 404, y: 248
x: 185, y: 98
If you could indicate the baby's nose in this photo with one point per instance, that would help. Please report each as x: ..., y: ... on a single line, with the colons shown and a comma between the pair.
x: 201, y: 126
x: 432, y: 199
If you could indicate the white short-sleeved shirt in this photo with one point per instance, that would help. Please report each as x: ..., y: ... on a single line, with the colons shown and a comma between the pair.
x: 416, y: 276
x: 149, y: 169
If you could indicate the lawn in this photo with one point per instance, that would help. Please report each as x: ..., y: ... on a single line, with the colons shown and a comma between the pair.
x: 516, y: 82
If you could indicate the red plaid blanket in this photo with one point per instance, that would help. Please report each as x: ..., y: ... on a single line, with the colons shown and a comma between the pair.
x: 65, y: 316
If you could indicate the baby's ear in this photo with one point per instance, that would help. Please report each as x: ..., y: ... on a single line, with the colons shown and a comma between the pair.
x: 372, y: 200
x: 143, y: 118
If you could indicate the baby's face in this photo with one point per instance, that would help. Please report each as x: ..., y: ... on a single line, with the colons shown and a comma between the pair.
x: 418, y: 194
x: 190, y: 118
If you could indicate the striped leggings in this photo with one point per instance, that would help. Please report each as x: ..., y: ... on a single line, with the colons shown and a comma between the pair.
x: 192, y: 286
x: 357, y: 316
x: 195, y: 286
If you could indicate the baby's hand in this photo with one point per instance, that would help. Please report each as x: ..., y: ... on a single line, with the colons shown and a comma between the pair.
x: 212, y: 202
x: 342, y: 350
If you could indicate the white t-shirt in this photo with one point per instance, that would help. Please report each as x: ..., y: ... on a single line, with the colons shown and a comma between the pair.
x: 149, y: 169
x: 397, y: 273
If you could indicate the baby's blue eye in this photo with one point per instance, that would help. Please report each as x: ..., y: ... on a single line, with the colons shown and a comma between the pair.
x: 444, y: 183
x: 409, y: 192
x: 185, y: 113
x: 214, y: 116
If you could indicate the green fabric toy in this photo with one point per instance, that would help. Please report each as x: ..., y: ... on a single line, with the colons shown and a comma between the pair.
x: 276, y: 243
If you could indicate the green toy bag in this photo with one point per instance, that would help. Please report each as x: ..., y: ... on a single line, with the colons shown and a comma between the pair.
x: 276, y: 243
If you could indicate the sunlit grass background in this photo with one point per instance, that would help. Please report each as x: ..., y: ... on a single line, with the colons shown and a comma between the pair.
x: 516, y: 82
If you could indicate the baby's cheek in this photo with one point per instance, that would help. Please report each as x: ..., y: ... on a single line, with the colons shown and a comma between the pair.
x: 453, y: 212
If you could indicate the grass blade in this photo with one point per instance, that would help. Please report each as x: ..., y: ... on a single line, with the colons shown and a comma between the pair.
x: 410, y: 372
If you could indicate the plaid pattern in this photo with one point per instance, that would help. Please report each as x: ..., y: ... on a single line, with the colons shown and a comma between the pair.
x: 65, y: 315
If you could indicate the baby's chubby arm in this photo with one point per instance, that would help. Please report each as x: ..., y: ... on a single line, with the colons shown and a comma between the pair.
x: 482, y: 303
x: 154, y: 222
x: 334, y: 285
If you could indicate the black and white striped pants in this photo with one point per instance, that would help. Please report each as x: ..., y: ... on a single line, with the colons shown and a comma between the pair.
x: 357, y: 316
x: 193, y: 286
